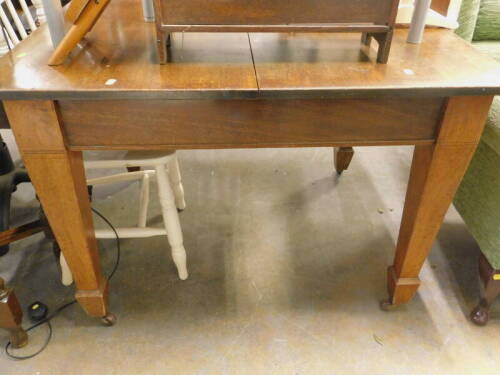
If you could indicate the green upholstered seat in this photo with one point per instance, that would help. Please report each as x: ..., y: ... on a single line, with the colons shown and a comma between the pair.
x: 478, y: 197
x: 488, y: 21
x: 491, y: 134
x: 478, y: 201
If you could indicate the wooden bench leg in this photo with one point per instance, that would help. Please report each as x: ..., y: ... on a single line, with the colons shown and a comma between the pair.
x: 384, y: 46
x: 436, y: 172
x: 342, y: 157
x: 11, y: 316
x: 58, y: 176
x: 163, y: 44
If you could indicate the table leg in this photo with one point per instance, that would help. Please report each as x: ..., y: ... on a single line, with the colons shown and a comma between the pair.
x: 11, y: 316
x: 59, y: 179
x: 342, y: 157
x: 436, y: 172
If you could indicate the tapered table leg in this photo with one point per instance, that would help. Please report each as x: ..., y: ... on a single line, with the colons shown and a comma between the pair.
x: 342, y: 157
x: 59, y: 180
x: 436, y: 172
x: 11, y: 316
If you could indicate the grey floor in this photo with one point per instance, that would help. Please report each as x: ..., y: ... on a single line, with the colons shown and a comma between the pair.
x: 287, y: 265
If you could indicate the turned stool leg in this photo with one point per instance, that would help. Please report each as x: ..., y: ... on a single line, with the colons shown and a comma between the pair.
x: 342, y: 157
x: 171, y: 219
x: 175, y: 179
x: 66, y: 275
x: 11, y: 316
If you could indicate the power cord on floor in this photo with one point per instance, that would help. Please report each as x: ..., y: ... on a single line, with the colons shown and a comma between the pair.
x: 61, y: 308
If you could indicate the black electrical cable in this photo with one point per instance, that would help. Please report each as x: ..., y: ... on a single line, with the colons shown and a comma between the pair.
x: 118, y: 251
x: 61, y: 308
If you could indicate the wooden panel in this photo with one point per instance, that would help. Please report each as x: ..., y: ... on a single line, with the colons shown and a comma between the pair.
x: 458, y: 125
x: 262, y: 12
x: 249, y: 123
x: 334, y: 27
x: 37, y: 126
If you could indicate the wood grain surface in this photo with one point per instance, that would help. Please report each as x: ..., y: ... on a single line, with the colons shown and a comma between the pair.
x: 435, y: 175
x: 262, y: 12
x: 249, y: 123
x: 122, y: 47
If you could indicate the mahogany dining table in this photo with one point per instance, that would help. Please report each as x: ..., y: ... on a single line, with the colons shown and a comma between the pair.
x: 240, y: 90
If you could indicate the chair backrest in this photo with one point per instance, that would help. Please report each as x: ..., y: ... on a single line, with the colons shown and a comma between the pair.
x: 17, y: 22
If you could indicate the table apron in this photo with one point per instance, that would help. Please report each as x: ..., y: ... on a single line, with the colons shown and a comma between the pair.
x: 192, y: 124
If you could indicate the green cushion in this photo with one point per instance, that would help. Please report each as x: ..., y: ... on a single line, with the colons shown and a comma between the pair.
x: 488, y: 21
x: 467, y: 19
x: 491, y: 134
x: 478, y: 201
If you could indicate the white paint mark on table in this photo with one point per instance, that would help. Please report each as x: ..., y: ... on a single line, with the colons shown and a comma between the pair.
x: 408, y: 72
x: 110, y: 82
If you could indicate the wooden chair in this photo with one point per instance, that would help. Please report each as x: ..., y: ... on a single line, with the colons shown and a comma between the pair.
x: 165, y: 168
x: 17, y: 22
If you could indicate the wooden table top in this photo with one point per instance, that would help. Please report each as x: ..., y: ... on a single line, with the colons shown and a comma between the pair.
x: 120, y: 61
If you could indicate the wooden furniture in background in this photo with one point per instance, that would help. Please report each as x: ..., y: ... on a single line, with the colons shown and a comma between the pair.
x: 10, y: 177
x: 373, y: 18
x: 17, y: 24
x: 237, y: 90
x: 11, y: 316
x: 164, y: 167
x: 83, y: 14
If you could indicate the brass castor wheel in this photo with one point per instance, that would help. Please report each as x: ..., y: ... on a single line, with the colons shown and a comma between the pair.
x: 480, y: 316
x: 387, y: 305
x: 109, y: 319
x: 18, y: 337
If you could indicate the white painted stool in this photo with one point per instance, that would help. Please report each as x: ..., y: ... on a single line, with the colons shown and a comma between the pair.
x: 164, y: 166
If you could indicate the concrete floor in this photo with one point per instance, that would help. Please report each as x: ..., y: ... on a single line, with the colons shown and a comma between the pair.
x: 287, y: 265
